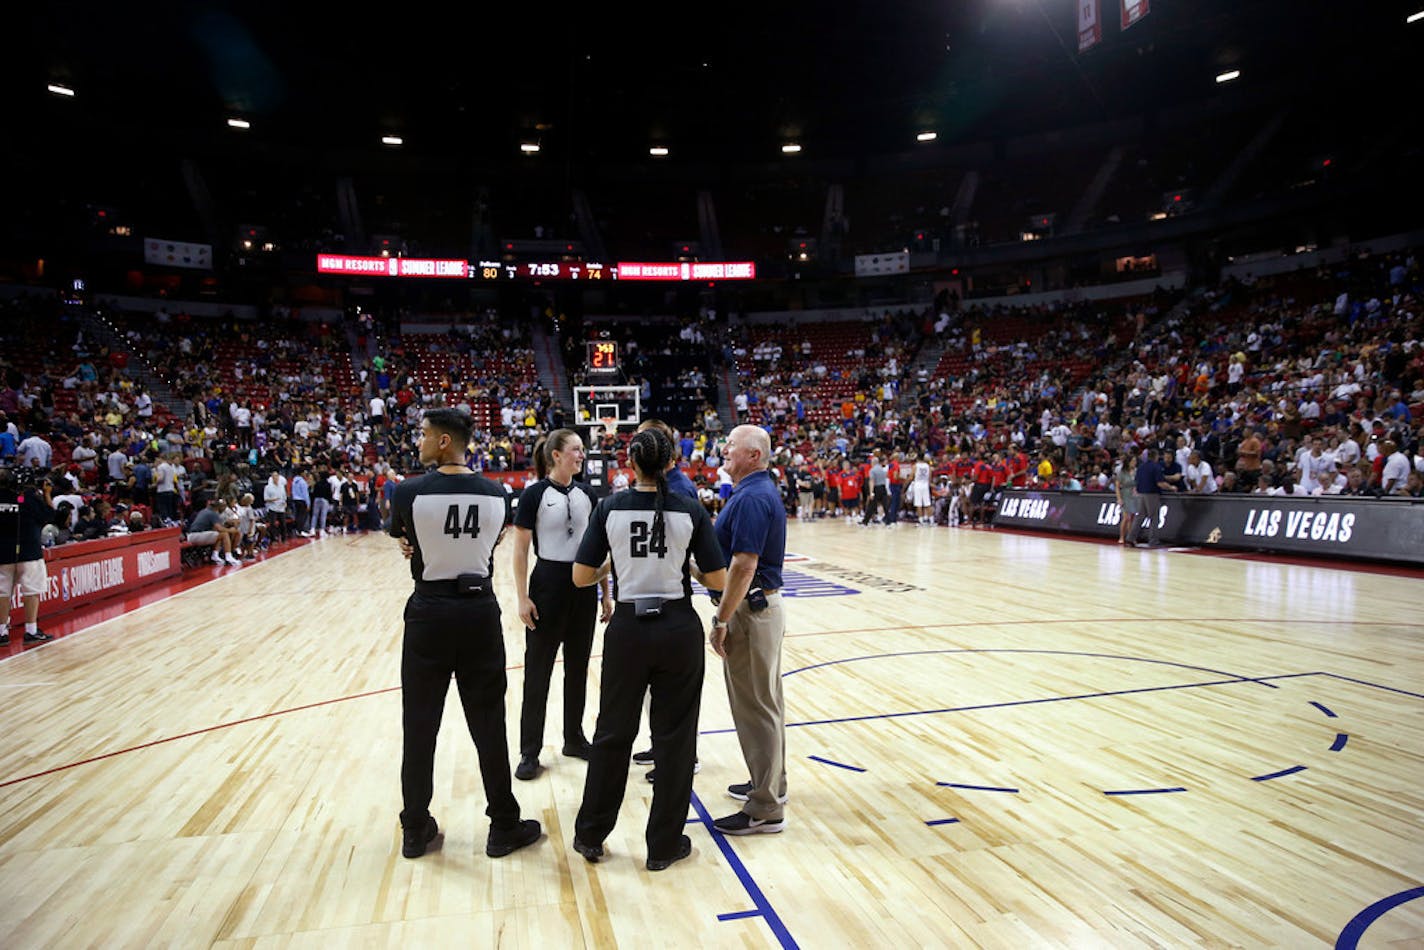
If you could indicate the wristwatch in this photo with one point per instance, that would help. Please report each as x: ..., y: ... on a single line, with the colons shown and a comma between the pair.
x: 718, y: 622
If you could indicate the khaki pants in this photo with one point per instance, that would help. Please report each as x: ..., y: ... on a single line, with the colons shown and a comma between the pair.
x: 753, y: 672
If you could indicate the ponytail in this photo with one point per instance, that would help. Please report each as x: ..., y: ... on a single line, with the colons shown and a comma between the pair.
x: 650, y: 452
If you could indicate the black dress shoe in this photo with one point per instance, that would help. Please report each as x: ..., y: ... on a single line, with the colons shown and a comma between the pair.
x: 5, y: 639
x: 415, y: 840
x: 577, y: 750
x: 501, y: 843
x: 662, y: 864
x: 591, y: 852
x: 39, y: 636
x: 527, y: 769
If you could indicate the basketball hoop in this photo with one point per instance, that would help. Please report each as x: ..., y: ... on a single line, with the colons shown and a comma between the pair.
x: 610, y: 423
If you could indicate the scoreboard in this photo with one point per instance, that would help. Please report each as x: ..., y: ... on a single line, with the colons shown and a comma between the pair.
x: 533, y: 270
x: 538, y: 270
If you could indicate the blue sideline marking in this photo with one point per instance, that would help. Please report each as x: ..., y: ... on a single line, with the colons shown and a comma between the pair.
x: 1349, y: 938
x: 1281, y: 774
x: 1147, y: 791
x: 1325, y: 710
x: 943, y: 821
x: 739, y: 915
x: 978, y: 788
x: 763, y: 906
x: 1340, y: 739
x: 839, y: 765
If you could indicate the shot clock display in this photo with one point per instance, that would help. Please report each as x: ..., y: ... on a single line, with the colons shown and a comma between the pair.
x: 602, y: 356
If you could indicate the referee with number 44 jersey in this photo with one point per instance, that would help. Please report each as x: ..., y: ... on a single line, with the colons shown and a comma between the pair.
x: 451, y: 519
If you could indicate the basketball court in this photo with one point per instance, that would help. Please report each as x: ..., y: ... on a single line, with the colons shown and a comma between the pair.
x: 994, y: 739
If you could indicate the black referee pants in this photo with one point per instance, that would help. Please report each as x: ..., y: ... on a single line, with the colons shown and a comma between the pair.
x: 566, y: 617
x: 879, y: 502
x: 457, y: 636
x: 665, y: 655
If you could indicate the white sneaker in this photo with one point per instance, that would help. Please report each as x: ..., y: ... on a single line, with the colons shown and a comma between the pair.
x: 217, y: 557
x: 233, y: 561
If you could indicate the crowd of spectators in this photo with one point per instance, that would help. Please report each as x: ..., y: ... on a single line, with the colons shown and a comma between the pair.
x: 1311, y: 383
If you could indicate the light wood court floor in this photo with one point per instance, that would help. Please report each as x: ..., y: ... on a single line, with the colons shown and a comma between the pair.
x: 994, y: 739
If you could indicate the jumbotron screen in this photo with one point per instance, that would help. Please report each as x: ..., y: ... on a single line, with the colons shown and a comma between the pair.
x: 532, y: 270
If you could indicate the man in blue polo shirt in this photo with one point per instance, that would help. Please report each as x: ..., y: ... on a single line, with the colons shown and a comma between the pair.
x: 1151, y: 482
x: 748, y: 628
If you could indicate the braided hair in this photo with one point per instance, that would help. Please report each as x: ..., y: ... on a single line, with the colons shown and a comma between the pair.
x: 650, y: 452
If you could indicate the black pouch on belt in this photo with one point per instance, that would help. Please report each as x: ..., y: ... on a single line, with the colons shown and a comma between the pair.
x: 756, y: 600
x: 645, y: 608
x: 471, y: 583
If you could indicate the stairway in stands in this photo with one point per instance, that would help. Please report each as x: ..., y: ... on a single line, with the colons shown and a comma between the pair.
x: 139, y: 369
x: 553, y: 375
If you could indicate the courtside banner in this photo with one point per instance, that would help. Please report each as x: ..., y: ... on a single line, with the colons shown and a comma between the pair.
x: 1365, y: 528
x: 1090, y: 24
x: 88, y: 571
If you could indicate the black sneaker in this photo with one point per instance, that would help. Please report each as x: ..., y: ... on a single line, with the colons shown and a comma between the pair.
x: 591, y: 852
x: 527, y: 769
x: 502, y: 843
x: 643, y: 758
x: 743, y: 824
x: 743, y: 791
x: 696, y: 767
x: 662, y: 864
x: 577, y: 751
x: 5, y: 639
x: 415, y: 840
x: 39, y: 636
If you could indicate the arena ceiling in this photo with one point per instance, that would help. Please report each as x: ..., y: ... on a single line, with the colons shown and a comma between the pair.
x: 712, y: 82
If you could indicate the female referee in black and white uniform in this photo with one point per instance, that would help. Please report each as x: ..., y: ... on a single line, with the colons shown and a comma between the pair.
x: 553, y: 514
x: 653, y: 642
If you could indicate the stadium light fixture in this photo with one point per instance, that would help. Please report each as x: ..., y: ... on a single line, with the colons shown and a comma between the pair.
x: 926, y: 137
x: 529, y: 148
x: 790, y: 149
x: 392, y: 140
x: 658, y: 151
x: 1414, y: 18
x: 239, y: 124
x: 59, y: 90
x: 1228, y: 76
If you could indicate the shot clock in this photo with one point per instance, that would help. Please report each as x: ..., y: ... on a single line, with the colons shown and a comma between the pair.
x: 602, y: 356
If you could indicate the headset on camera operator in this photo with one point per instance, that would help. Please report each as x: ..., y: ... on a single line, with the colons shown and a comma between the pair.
x: 25, y: 509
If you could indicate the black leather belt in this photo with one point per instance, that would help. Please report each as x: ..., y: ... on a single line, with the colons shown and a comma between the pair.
x: 451, y: 588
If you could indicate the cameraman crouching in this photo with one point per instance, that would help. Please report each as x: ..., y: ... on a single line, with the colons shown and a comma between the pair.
x: 24, y: 511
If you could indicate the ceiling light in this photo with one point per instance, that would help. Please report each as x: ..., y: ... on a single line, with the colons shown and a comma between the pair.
x: 791, y: 149
x: 926, y: 137
x: 658, y: 151
x: 60, y: 90
x: 529, y: 148
x: 1412, y: 18
x: 239, y: 124
x: 392, y: 140
x: 1228, y: 76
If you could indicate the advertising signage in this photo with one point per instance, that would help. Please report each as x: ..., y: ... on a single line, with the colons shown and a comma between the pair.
x: 1350, y: 527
